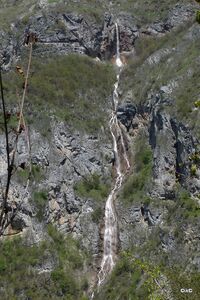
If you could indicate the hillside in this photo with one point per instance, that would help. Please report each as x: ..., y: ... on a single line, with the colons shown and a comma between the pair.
x: 103, y: 199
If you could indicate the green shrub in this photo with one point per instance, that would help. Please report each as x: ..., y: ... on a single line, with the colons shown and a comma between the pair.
x: 146, y: 200
x: 16, y: 265
x: 22, y: 175
x: 122, y: 283
x: 195, y: 157
x: 12, y: 122
x: 40, y: 200
x: 197, y: 103
x: 68, y: 249
x: 198, y: 16
x: 178, y: 279
x: 137, y: 184
x: 70, y: 259
x: 37, y: 173
x: 97, y: 214
x: 92, y: 187
x: 64, y: 282
x: 189, y: 208
x: 193, y: 170
x: 185, y: 209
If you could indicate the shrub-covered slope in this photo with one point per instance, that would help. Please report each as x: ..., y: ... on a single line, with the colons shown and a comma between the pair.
x: 53, y: 247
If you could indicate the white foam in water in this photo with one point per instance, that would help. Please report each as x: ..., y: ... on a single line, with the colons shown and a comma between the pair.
x: 118, y: 61
x: 110, y: 233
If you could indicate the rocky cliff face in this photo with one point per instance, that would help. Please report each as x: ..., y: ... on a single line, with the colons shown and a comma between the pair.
x: 62, y: 33
x: 158, y: 206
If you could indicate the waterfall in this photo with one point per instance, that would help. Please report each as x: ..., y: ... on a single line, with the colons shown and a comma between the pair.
x: 110, y: 233
x: 118, y: 60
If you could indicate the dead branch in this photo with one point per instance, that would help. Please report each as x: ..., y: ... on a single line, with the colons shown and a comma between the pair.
x: 4, y: 220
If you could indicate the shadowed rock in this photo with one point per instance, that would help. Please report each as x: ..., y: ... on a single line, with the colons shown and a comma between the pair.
x: 125, y: 114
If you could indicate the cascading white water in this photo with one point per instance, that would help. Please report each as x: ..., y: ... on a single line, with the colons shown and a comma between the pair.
x: 118, y: 60
x: 110, y: 233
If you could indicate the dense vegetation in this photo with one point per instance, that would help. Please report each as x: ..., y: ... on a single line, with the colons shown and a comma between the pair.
x: 139, y: 182
x: 25, y: 272
x: 93, y: 187
x: 123, y: 283
x: 75, y: 87
x: 138, y: 279
x: 40, y: 200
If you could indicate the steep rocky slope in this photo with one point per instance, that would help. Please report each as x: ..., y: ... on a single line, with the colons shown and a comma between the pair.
x: 59, y: 220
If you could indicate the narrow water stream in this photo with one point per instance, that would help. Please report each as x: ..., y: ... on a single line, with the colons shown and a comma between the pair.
x: 120, y: 153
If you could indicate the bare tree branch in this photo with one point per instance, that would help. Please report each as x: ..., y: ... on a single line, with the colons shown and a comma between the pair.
x: 4, y: 221
x: 4, y: 197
